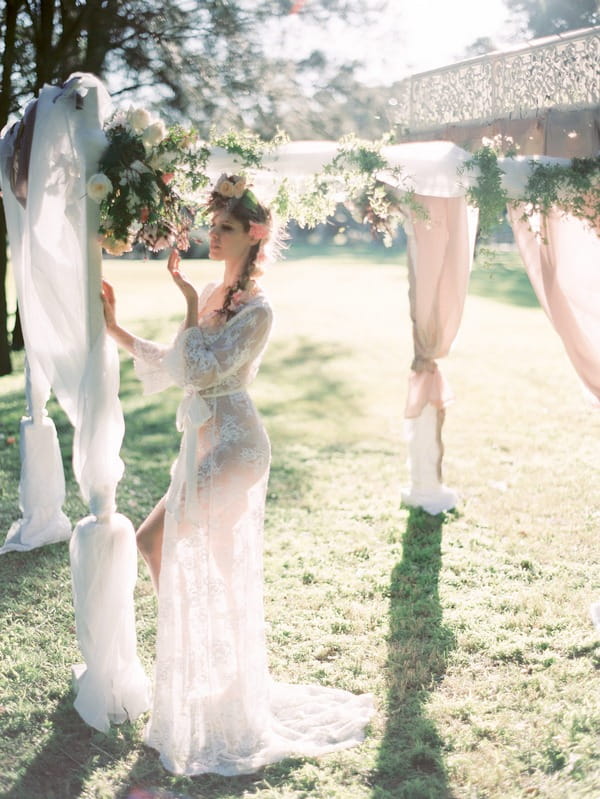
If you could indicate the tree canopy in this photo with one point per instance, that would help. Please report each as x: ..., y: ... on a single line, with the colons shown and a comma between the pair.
x: 549, y: 17
x: 204, y: 61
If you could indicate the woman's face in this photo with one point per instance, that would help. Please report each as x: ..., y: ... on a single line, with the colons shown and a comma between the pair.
x: 228, y: 241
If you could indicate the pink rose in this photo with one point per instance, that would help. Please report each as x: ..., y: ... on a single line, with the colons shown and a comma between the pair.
x: 259, y: 231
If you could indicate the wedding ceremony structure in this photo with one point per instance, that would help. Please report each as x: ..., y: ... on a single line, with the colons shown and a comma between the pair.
x: 46, y: 164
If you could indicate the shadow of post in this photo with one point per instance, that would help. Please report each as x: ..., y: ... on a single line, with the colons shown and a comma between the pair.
x: 410, y: 762
x: 61, y: 765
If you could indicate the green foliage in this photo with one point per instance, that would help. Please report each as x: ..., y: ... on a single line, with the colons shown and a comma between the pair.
x: 359, y: 166
x: 144, y: 206
x: 248, y: 147
x: 360, y: 176
x: 487, y: 194
x: 150, y: 169
x: 573, y: 188
x: 551, y: 17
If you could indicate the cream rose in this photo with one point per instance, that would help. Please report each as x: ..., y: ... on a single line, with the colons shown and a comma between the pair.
x: 139, y: 119
x: 115, y: 246
x: 99, y: 187
x: 239, y: 187
x: 230, y: 187
x: 154, y: 134
x: 225, y: 188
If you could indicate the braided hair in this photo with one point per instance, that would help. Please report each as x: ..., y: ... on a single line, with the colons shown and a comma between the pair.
x: 231, y: 195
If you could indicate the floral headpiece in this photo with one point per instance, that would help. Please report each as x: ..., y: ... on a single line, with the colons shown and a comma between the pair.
x: 235, y: 188
x: 230, y: 187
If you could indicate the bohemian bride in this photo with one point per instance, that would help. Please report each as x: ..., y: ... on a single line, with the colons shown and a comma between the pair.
x: 215, y: 708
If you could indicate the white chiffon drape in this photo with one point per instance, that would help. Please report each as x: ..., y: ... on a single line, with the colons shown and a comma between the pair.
x: 56, y: 263
x: 216, y: 709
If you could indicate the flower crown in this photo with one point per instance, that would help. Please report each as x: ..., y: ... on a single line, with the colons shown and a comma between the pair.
x: 230, y: 187
x: 235, y: 187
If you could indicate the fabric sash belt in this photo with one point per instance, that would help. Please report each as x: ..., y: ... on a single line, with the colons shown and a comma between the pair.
x: 193, y: 412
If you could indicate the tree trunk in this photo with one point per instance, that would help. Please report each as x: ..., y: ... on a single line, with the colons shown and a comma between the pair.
x: 8, y: 59
x: 44, y: 55
x: 5, y: 363
x: 17, y: 342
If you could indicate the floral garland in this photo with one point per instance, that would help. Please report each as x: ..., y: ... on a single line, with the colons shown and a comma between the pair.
x: 145, y: 174
x: 355, y: 177
x: 149, y: 176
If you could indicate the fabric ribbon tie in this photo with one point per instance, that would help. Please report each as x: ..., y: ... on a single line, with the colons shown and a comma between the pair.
x: 421, y: 364
x: 192, y: 413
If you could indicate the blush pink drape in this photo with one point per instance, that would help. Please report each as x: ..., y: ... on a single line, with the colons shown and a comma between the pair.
x: 562, y: 258
x: 440, y: 250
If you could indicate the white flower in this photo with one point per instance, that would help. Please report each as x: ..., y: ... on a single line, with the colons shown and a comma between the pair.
x: 154, y: 134
x: 162, y: 161
x: 132, y: 202
x: 139, y: 166
x: 139, y: 119
x: 119, y: 119
x: 99, y: 187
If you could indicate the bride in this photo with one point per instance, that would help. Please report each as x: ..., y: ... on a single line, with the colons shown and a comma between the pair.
x: 215, y: 707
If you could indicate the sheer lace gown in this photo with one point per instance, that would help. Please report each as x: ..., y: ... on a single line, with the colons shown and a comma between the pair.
x: 215, y: 707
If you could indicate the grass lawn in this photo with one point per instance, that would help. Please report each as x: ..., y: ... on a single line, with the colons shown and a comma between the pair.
x: 471, y: 628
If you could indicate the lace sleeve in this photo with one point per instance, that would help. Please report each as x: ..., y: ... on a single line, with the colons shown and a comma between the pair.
x: 152, y: 362
x: 149, y: 365
x: 202, y: 364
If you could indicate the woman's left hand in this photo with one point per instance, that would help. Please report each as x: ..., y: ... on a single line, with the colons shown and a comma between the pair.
x: 109, y: 305
x: 182, y: 283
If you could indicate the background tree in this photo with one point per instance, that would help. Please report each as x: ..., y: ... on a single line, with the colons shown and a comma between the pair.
x: 480, y: 46
x: 199, y: 60
x: 549, y: 17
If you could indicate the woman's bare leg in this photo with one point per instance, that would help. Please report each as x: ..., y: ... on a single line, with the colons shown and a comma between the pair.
x: 149, y: 539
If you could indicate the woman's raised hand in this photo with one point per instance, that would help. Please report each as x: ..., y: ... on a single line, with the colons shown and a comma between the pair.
x: 182, y: 283
x: 109, y: 304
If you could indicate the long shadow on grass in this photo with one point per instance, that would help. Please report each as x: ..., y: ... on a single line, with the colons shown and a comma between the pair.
x: 61, y: 767
x: 410, y: 762
x: 147, y: 778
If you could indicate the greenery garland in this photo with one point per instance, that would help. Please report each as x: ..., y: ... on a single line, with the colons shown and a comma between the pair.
x: 382, y: 204
x: 150, y: 178
x: 355, y: 177
x: 574, y: 188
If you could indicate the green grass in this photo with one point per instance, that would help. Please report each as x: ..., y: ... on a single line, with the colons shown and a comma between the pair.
x: 470, y: 628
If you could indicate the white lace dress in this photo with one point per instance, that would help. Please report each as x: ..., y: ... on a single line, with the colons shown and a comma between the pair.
x: 215, y: 707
